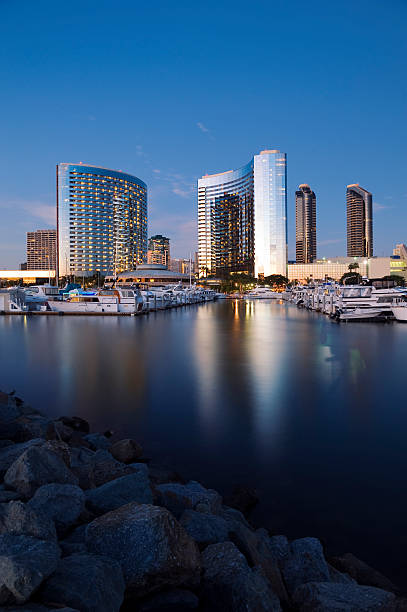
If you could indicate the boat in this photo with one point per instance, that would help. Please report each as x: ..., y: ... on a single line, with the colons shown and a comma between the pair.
x: 362, y: 314
x: 399, y: 309
x: 262, y: 293
x: 87, y: 302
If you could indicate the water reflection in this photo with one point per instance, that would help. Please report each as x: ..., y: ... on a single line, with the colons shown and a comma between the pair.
x: 310, y: 412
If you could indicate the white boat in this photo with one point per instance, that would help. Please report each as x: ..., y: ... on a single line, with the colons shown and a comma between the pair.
x: 361, y: 314
x: 87, y: 303
x: 262, y: 293
x: 399, y: 310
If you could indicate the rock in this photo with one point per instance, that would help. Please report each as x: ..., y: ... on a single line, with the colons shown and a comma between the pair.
x: 331, y: 597
x: 19, y: 519
x: 230, y: 585
x: 243, y: 499
x: 96, y: 468
x: 24, y: 563
x: 231, y: 514
x: 70, y: 548
x: 63, y: 503
x: 35, y: 467
x: 305, y: 563
x: 59, y: 431
x: 98, y: 441
x: 153, y: 549
x: 32, y: 426
x: 75, y: 423
x: 126, y: 451
x: 4, y: 443
x: 110, y: 496
x: 280, y: 547
x: 175, y: 600
x: 87, y: 582
x: 177, y: 497
x: 162, y: 475
x: 6, y: 496
x: 10, y: 453
x: 11, y: 431
x: 336, y: 576
x: 362, y: 573
x: 204, y: 528
x: 9, y: 411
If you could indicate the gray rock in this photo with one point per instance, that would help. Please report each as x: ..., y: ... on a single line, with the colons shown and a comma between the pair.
x: 305, y: 563
x: 19, y: 519
x: 175, y: 600
x: 98, y: 441
x: 24, y: 563
x: 231, y: 514
x: 110, y: 496
x: 70, y: 548
x: 205, y: 528
x: 230, y: 585
x: 96, y: 468
x: 10, y: 453
x: 362, y: 572
x: 6, y: 496
x: 126, y: 451
x: 35, y: 467
x: 177, y: 497
x: 76, y: 423
x: 90, y: 583
x: 280, y: 547
x: 331, y: 597
x: 63, y: 503
x: 32, y: 426
x: 336, y: 576
x: 153, y: 549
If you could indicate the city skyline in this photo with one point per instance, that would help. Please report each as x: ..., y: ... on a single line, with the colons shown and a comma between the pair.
x: 169, y: 135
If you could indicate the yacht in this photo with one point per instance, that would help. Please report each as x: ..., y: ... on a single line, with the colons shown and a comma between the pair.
x: 87, y: 302
x: 262, y: 293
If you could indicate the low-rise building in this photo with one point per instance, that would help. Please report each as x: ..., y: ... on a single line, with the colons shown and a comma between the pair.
x: 335, y: 267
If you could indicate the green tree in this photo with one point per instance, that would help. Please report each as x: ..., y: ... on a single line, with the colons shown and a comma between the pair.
x: 276, y: 280
x: 351, y: 278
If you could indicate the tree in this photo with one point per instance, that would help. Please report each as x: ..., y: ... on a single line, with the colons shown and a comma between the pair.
x: 353, y: 266
x: 277, y: 280
x: 350, y: 278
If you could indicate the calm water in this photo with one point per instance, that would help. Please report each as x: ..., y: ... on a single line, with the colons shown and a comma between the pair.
x: 311, y: 413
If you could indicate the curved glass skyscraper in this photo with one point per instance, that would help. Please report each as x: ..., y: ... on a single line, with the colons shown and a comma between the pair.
x: 101, y: 220
x: 242, y: 218
x: 359, y: 221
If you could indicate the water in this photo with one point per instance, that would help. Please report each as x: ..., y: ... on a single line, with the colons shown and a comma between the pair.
x: 310, y: 412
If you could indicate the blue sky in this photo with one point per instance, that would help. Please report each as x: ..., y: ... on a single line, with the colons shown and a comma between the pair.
x: 171, y: 90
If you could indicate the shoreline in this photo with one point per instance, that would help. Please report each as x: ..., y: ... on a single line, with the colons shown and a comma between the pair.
x: 75, y: 503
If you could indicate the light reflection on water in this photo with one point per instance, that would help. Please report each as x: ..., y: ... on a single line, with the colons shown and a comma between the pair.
x: 310, y: 412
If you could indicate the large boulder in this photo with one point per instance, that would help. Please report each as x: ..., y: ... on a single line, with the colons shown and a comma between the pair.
x: 37, y: 466
x: 32, y: 426
x: 87, y: 582
x: 19, y: 519
x: 230, y: 585
x: 305, y: 563
x: 24, y: 563
x: 153, y: 549
x: 110, y: 496
x: 63, y: 503
x: 98, y: 441
x: 177, y: 497
x: 205, y: 528
x: 174, y: 600
x: 126, y: 451
x: 94, y: 469
x: 10, y: 453
x: 362, y: 572
x: 331, y: 597
x: 75, y: 423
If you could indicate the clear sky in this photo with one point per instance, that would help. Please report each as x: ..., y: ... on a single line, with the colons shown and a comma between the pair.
x: 171, y: 90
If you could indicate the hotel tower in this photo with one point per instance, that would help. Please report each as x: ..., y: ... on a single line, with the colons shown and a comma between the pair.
x: 359, y: 221
x: 306, y: 225
x: 101, y: 220
x: 242, y: 218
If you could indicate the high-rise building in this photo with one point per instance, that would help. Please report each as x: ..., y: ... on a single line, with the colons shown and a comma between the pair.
x: 102, y: 220
x: 41, y: 250
x: 158, y: 250
x: 306, y: 224
x: 359, y: 221
x: 242, y: 218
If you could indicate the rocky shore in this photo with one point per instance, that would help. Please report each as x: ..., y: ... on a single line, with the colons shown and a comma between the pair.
x: 87, y: 524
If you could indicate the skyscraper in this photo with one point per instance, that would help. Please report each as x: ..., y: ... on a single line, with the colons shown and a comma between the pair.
x: 101, y: 220
x: 359, y: 221
x: 158, y: 250
x: 306, y: 225
x: 41, y: 250
x: 242, y: 218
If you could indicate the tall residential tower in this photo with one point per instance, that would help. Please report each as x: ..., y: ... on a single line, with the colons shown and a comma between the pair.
x: 242, y: 218
x: 41, y: 250
x: 158, y: 250
x: 101, y: 220
x: 359, y: 221
x: 306, y: 225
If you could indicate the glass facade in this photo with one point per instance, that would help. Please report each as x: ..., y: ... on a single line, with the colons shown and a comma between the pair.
x: 101, y: 220
x: 158, y: 250
x: 242, y: 225
x: 359, y: 221
x: 305, y: 225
